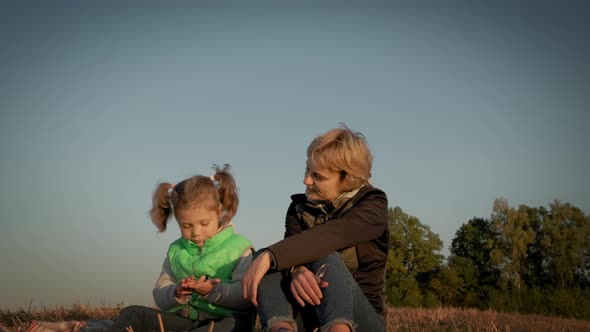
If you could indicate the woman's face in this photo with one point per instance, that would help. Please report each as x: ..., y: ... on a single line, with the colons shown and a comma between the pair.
x: 321, y: 184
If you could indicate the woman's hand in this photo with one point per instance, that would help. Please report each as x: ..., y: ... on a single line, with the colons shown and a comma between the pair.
x: 253, y: 276
x: 305, y: 286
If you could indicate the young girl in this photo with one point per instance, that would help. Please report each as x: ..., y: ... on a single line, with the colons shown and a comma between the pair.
x: 199, y: 288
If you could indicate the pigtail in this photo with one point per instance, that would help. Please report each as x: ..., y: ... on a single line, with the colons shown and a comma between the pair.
x: 161, y: 205
x: 228, y: 195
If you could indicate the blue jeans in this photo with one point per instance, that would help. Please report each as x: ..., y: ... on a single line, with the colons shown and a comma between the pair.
x: 343, y: 301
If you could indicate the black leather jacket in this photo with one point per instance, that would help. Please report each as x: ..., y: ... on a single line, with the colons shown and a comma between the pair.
x: 360, y: 223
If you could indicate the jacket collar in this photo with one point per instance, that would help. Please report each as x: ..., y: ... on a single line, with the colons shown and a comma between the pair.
x: 223, y: 234
x: 334, y: 204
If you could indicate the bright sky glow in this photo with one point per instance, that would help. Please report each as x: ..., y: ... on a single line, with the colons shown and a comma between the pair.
x: 460, y: 102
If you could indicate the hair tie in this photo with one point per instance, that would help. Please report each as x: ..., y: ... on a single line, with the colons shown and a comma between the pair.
x: 215, y: 182
x: 171, y: 189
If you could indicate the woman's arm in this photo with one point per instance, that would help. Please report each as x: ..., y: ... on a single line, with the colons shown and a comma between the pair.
x: 164, y: 291
x: 230, y: 295
x: 366, y: 221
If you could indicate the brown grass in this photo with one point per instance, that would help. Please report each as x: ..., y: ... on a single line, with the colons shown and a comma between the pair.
x: 19, y: 320
x: 398, y: 319
x: 452, y: 319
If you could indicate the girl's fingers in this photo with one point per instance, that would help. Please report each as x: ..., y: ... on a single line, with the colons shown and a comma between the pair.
x: 214, y: 281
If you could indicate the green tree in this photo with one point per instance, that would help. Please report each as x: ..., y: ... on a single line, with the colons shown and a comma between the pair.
x: 565, y: 240
x: 523, y: 259
x: 515, y: 235
x: 470, y: 258
x: 413, y: 256
x: 535, y: 273
x: 450, y: 283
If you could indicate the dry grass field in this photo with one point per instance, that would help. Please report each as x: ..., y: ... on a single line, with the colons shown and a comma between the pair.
x: 399, y: 319
x: 452, y: 319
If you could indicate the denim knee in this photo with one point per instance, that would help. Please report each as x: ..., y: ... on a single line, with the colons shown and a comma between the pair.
x: 266, y: 326
x: 351, y: 325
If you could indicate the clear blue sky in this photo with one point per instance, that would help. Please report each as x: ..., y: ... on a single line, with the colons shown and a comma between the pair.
x: 461, y: 102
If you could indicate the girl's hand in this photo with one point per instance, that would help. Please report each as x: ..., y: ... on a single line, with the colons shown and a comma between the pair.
x: 183, y: 289
x: 187, y: 286
x: 253, y: 276
x: 305, y: 286
x: 202, y: 286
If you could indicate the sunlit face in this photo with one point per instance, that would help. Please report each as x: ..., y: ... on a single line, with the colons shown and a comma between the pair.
x: 198, y: 224
x: 322, y: 184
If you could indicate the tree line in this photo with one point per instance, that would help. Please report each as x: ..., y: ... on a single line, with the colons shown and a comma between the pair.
x: 525, y: 259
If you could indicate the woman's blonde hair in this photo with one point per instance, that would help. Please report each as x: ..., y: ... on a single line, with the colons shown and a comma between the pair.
x: 215, y: 192
x: 342, y: 150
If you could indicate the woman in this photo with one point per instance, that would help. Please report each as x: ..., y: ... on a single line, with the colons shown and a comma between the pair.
x: 340, y: 222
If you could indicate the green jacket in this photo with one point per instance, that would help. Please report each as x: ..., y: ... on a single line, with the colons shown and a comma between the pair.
x: 216, y: 259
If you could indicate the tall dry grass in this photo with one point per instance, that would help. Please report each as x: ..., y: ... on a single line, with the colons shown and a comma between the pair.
x: 398, y: 319
x: 19, y: 320
x: 453, y: 319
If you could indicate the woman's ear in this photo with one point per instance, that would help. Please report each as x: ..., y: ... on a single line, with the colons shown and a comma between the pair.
x: 344, y: 182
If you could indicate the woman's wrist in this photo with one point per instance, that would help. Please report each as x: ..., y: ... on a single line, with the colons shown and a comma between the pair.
x: 298, y: 269
x: 269, y: 259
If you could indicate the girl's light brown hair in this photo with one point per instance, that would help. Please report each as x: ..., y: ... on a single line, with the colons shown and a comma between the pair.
x: 197, y: 191
x: 345, y: 151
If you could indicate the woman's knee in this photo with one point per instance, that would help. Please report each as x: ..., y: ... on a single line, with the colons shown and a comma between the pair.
x: 279, y: 324
x: 333, y: 260
x: 339, y: 325
x: 334, y: 269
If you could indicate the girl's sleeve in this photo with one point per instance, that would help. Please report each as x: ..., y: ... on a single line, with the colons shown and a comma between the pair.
x: 229, y: 295
x: 164, y: 291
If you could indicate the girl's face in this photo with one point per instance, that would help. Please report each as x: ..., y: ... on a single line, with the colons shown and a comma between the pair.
x: 198, y: 224
x: 322, y: 184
